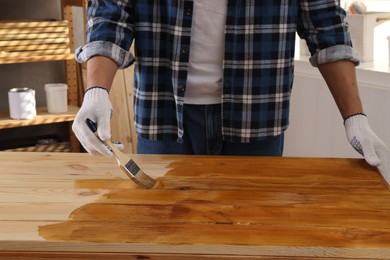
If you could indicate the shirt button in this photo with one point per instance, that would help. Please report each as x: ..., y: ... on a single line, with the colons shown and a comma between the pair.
x: 182, y: 88
x: 185, y: 51
x: 188, y: 12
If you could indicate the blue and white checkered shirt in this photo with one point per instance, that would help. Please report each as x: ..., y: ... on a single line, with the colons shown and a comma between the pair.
x: 258, y: 58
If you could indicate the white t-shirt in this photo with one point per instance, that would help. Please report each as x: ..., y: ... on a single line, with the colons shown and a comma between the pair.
x: 204, y: 81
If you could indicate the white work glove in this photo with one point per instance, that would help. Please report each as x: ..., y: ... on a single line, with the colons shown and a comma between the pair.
x: 97, y: 107
x: 365, y: 141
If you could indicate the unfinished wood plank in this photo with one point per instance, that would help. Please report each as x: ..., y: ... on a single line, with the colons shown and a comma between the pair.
x: 37, y: 58
x: 32, y: 24
x: 47, y: 195
x: 34, y: 36
x: 80, y: 3
x: 121, y: 123
x: 34, y: 41
x: 34, y: 30
x: 56, y: 147
x: 34, y: 47
x: 37, y: 211
x: 113, y: 180
x: 27, y: 54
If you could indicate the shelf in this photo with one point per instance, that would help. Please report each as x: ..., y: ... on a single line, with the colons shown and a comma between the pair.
x: 37, y: 58
x: 80, y: 3
x: 26, y: 41
x: 57, y: 147
x: 43, y: 117
x: 34, y: 41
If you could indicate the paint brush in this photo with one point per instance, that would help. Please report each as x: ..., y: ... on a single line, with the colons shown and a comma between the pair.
x: 125, y: 163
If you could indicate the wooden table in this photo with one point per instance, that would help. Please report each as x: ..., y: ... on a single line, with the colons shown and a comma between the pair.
x: 77, y: 206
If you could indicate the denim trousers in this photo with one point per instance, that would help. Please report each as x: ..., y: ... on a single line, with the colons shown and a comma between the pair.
x: 203, y: 136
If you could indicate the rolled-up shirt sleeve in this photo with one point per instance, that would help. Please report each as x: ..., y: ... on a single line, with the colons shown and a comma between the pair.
x: 109, y: 31
x: 322, y: 25
x: 335, y: 53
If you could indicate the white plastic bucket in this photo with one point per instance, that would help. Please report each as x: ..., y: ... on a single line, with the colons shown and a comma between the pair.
x: 22, y: 103
x: 56, y: 97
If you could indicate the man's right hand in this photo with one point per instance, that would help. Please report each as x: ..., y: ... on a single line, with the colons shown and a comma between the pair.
x: 96, y: 106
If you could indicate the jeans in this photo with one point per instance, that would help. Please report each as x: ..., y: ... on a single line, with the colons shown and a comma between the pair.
x: 203, y: 136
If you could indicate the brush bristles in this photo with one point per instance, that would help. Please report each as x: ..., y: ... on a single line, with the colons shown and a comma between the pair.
x: 138, y: 176
x: 144, y: 180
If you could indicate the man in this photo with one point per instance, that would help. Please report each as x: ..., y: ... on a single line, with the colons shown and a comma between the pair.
x: 215, y: 77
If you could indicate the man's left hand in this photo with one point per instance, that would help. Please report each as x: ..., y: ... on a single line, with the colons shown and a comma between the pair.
x: 368, y: 144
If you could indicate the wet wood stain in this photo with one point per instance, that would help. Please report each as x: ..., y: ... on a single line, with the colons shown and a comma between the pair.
x: 214, y: 209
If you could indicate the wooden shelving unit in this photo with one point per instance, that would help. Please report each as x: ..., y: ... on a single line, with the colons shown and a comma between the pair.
x: 43, y: 117
x: 33, y: 41
x: 41, y: 41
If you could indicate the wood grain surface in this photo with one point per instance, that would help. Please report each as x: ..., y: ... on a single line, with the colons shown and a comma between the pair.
x: 77, y: 206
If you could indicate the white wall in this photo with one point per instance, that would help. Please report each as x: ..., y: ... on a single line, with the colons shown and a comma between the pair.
x: 316, y: 126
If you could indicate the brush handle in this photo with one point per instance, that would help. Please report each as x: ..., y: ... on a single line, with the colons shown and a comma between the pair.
x: 120, y: 157
x: 91, y: 124
x: 129, y: 167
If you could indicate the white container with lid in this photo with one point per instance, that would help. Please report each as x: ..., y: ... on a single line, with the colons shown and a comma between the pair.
x: 56, y: 97
x: 22, y: 103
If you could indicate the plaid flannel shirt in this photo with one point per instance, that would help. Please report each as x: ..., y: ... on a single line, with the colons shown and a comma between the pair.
x: 258, y: 58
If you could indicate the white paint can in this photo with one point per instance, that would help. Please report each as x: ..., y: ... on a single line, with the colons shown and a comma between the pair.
x: 22, y: 103
x: 56, y: 97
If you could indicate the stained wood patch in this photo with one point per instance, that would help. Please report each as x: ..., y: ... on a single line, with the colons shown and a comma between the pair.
x: 202, y: 207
